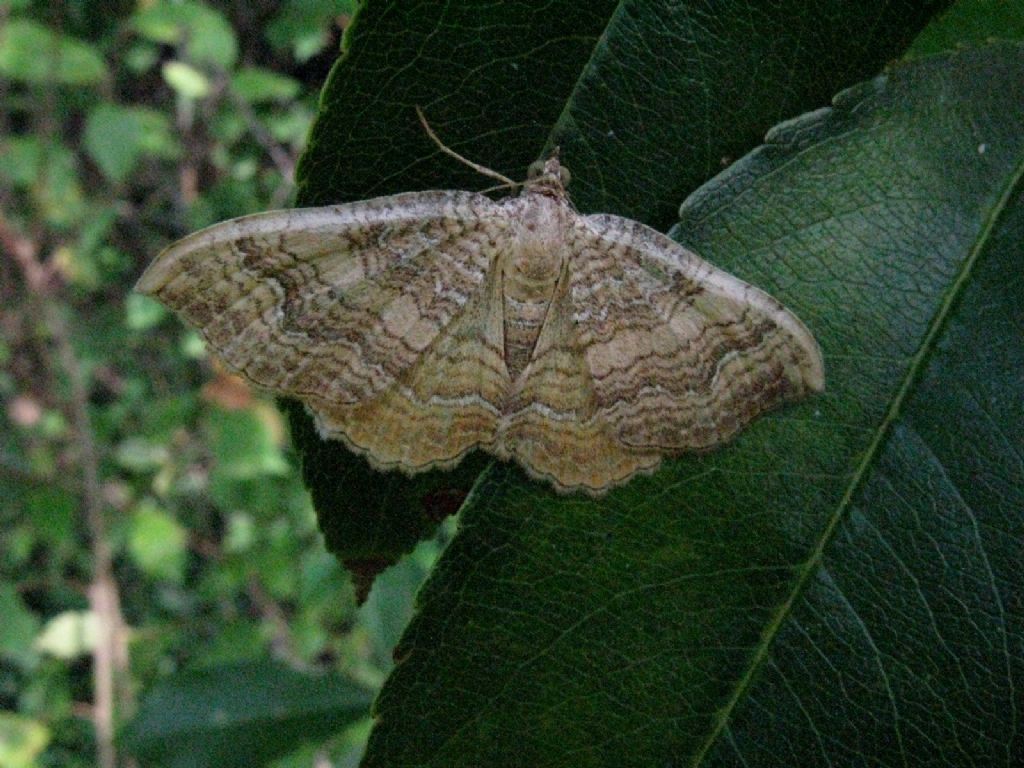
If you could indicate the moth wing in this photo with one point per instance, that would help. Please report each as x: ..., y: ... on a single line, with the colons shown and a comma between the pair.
x: 648, y: 350
x: 552, y: 428
x: 345, y: 306
x: 681, y: 355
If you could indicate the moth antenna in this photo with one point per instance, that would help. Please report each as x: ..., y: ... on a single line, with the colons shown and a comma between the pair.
x: 496, y: 187
x: 506, y: 181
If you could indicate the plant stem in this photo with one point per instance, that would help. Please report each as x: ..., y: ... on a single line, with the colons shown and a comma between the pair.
x: 110, y: 655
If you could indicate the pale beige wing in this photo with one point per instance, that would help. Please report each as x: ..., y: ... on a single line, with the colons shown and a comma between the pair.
x: 346, y: 306
x: 681, y: 354
x: 444, y: 405
x: 648, y: 350
x: 550, y: 427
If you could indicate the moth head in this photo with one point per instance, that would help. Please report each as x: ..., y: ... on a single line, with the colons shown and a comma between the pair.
x: 548, y: 177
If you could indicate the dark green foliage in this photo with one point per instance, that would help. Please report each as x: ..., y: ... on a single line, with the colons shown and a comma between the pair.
x: 649, y: 628
x: 240, y: 715
x: 628, y: 631
x: 837, y: 587
x: 639, y: 128
x: 369, y: 519
x: 120, y: 131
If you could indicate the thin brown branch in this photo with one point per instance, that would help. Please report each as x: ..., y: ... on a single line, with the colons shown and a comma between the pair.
x: 283, y: 161
x: 282, y: 641
x: 23, y: 252
x: 110, y: 656
x: 188, y: 171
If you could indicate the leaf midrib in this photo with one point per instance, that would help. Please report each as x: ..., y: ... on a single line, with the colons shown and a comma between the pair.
x: 481, y: 479
x: 910, y: 379
x: 570, y: 100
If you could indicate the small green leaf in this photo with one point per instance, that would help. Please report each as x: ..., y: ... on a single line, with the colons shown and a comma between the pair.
x: 21, y: 159
x: 57, y: 190
x: 22, y: 740
x: 255, y: 85
x: 186, y: 80
x: 142, y: 313
x: 244, y: 446
x: 239, y: 715
x: 240, y: 534
x: 291, y: 126
x: 53, y: 424
x: 205, y: 33
x: 236, y: 640
x: 137, y: 454
x: 95, y: 232
x: 160, y: 22
x: 112, y: 138
x: 35, y: 54
x: 158, y: 542
x: 141, y: 57
x: 52, y: 511
x: 69, y: 635
x: 116, y: 137
x: 192, y: 345
x: 17, y: 629
x: 303, y: 26
x: 159, y: 138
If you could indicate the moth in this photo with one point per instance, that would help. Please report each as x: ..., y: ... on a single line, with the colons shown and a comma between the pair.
x: 418, y: 327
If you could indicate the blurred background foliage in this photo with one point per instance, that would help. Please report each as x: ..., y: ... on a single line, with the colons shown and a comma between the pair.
x: 138, y: 481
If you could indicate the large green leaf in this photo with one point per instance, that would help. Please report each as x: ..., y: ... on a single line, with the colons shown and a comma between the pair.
x: 637, y: 630
x: 906, y: 645
x: 32, y: 53
x: 839, y: 586
x: 646, y: 99
x: 238, y: 715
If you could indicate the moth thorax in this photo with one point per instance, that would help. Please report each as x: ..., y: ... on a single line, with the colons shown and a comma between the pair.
x: 537, y: 257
